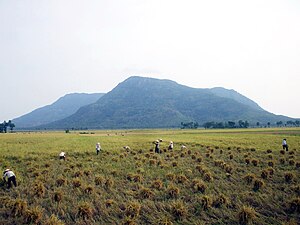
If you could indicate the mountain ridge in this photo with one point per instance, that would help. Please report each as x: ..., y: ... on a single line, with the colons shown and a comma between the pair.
x: 61, y: 108
x: 143, y: 102
x: 230, y: 93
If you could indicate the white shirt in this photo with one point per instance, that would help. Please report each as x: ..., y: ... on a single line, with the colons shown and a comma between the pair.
x: 8, y: 174
x: 283, y: 142
x: 62, y: 154
x: 98, y: 147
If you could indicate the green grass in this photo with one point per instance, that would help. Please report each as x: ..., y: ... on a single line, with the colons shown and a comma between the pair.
x: 65, y: 192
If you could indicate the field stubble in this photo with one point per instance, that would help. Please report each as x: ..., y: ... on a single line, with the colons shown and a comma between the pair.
x: 223, y: 177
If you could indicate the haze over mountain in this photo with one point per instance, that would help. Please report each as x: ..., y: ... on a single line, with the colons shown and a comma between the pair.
x: 140, y: 102
x: 223, y: 92
x: 60, y: 109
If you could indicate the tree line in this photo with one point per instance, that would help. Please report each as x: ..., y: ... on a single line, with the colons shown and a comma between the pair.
x: 189, y: 125
x: 213, y: 124
x: 289, y: 123
x: 228, y: 124
x: 239, y: 124
x: 5, y: 125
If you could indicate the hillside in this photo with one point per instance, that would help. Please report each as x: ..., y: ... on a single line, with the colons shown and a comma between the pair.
x: 62, y: 108
x: 140, y: 102
x: 225, y: 93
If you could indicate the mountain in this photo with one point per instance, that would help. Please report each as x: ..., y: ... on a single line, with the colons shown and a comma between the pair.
x: 140, y: 102
x: 62, y: 108
x: 225, y: 93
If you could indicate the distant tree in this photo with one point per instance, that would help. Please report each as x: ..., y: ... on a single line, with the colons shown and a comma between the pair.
x: 11, y: 125
x: 189, y: 125
x: 241, y: 123
x: 269, y: 124
x: 279, y: 123
x: 290, y: 123
x: 5, y: 126
x: 231, y: 124
x: 297, y: 123
x: 257, y: 124
x: 1, y: 127
x: 246, y: 124
x: 220, y: 125
x: 196, y: 125
x: 209, y: 124
x: 228, y: 124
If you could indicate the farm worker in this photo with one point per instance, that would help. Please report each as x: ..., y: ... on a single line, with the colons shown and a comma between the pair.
x: 10, y: 176
x: 157, y: 150
x: 98, y: 148
x: 62, y: 155
x: 127, y: 148
x: 285, y: 145
x: 170, y: 146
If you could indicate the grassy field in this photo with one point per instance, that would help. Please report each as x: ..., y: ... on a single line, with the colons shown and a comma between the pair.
x: 223, y: 177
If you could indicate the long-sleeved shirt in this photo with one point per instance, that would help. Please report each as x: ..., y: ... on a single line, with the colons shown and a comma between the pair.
x: 8, y: 174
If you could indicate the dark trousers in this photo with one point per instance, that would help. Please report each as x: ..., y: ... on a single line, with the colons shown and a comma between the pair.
x: 97, y: 152
x: 286, y: 147
x: 12, y: 180
x: 157, y: 150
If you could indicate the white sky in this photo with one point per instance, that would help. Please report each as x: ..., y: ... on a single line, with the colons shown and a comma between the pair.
x: 51, y: 48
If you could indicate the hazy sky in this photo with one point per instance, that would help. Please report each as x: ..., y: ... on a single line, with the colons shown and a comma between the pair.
x: 51, y: 48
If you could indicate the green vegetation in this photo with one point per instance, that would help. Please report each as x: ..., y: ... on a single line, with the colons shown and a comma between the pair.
x: 60, y: 109
x: 229, y: 124
x: 5, y: 125
x: 241, y: 124
x: 189, y: 125
x: 140, y: 102
x: 228, y: 176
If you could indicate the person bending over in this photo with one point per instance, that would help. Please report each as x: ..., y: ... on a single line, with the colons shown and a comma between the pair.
x: 11, y: 178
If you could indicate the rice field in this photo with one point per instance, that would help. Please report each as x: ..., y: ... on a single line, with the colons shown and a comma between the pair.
x: 223, y: 177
